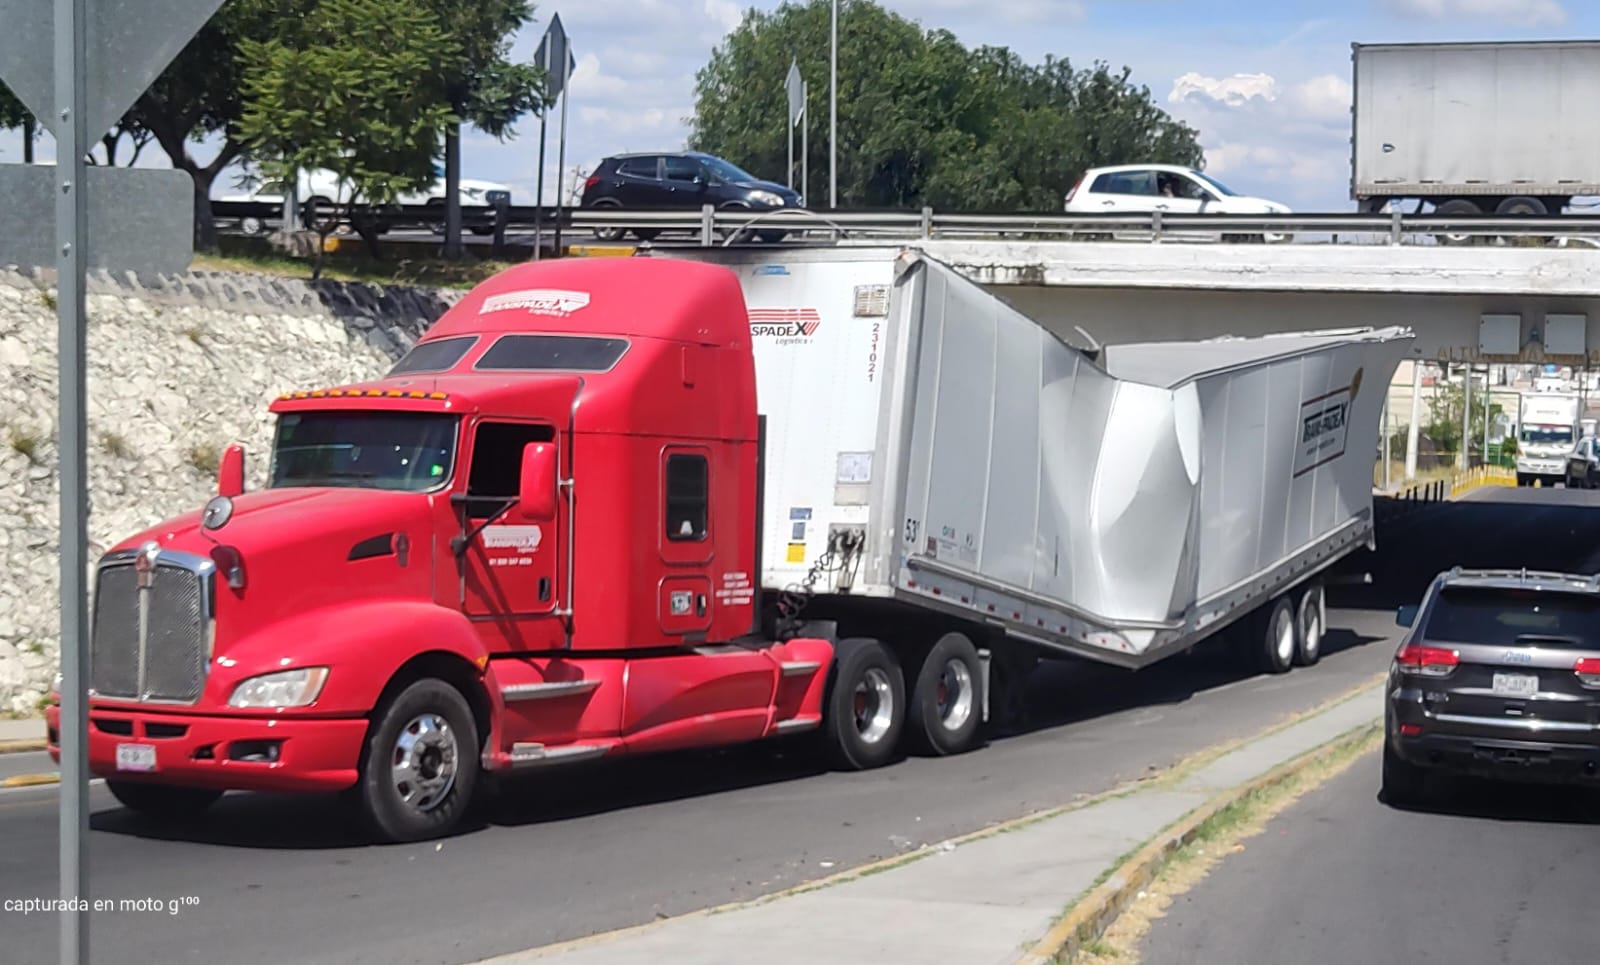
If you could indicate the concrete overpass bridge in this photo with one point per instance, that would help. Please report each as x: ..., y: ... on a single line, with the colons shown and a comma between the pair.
x: 1477, y: 306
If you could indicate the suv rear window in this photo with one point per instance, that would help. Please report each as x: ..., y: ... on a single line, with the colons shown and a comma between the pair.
x: 1497, y: 618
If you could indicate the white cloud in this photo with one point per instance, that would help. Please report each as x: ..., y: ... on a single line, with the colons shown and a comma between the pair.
x: 724, y: 13
x: 1291, y: 139
x: 1232, y: 91
x: 590, y: 82
x: 1524, y: 12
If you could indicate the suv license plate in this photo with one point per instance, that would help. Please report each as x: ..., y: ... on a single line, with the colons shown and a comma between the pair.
x: 136, y: 757
x: 1515, y: 685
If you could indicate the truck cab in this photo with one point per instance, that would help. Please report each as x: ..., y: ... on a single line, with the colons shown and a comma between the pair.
x: 528, y: 543
x: 1548, y: 429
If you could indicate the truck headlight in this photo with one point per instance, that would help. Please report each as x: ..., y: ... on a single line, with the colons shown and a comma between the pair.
x: 286, y: 688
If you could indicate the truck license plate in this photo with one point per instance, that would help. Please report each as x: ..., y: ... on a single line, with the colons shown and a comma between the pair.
x: 136, y: 757
x: 1515, y: 685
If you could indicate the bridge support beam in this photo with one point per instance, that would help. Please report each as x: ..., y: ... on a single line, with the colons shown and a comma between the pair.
x: 1416, y: 419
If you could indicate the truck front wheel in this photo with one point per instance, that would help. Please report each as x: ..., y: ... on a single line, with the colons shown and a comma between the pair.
x: 947, y: 699
x: 866, y: 704
x: 162, y: 800
x: 421, y: 762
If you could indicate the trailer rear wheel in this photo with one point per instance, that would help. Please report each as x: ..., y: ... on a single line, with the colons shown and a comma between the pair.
x: 1308, y: 638
x: 1277, y: 637
x: 947, y: 698
x: 420, y: 764
x: 865, y: 709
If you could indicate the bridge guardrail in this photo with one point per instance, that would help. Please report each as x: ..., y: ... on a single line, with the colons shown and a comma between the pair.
x: 711, y: 227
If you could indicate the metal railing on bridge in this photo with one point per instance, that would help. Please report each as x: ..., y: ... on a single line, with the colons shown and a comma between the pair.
x: 712, y: 227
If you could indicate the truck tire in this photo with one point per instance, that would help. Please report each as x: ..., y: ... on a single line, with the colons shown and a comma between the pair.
x: 1458, y: 208
x: 1309, y: 616
x: 1276, y: 636
x: 865, y: 708
x: 420, y: 765
x: 162, y: 800
x: 946, y: 706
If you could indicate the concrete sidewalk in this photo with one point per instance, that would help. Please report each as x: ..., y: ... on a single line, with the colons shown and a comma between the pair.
x: 29, y: 729
x: 988, y: 900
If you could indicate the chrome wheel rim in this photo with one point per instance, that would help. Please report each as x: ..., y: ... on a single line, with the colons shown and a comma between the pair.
x: 874, y: 705
x: 423, y: 762
x: 1283, y: 631
x: 954, y: 696
x: 1313, y: 626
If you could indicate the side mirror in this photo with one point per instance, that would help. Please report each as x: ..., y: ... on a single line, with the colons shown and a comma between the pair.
x: 230, y: 474
x: 536, y: 492
x: 1406, y: 616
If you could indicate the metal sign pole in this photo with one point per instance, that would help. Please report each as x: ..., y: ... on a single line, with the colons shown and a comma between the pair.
x: 72, y: 229
x: 805, y: 144
x: 538, y: 201
x: 833, y: 110
x: 561, y: 163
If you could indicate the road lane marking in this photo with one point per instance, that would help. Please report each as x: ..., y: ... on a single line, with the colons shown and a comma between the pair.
x: 30, y: 780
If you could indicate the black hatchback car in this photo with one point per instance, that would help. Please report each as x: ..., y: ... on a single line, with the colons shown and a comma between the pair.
x: 1497, y: 677
x: 682, y: 180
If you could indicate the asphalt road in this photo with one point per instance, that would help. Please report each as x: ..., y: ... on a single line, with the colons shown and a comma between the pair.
x: 1499, y: 875
x: 1490, y: 874
x: 580, y: 851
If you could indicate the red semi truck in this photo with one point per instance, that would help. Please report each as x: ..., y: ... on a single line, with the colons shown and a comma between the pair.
x: 558, y: 531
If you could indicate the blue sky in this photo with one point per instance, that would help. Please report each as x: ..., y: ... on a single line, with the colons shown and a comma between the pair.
x: 1266, y: 84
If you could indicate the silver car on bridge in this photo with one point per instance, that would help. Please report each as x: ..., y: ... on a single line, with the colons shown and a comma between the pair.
x: 1498, y: 676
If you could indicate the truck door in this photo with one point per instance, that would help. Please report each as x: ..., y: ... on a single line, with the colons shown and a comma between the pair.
x: 686, y: 540
x: 510, y: 569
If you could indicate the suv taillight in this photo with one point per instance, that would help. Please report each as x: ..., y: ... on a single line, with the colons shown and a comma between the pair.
x: 1588, y: 671
x: 1428, y: 661
x: 1073, y: 193
x: 594, y: 179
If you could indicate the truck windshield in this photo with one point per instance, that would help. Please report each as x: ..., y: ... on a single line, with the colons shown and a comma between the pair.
x: 1547, y: 435
x: 1497, y: 618
x: 406, y: 451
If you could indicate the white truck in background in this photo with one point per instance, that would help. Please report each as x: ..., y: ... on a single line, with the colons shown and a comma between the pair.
x: 1548, y: 428
x: 1475, y: 128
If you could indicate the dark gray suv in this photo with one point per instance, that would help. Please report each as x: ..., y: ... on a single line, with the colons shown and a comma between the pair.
x: 1498, y: 677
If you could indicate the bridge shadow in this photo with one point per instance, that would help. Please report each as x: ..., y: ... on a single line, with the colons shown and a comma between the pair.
x: 1498, y: 527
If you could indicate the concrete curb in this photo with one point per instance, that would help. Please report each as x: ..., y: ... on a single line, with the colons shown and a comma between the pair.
x: 1091, y: 915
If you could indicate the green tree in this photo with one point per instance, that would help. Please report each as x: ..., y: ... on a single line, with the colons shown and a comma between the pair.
x: 483, y: 86
x: 200, y: 94
x: 922, y: 119
x: 1444, y: 418
x: 356, y: 88
x: 14, y: 115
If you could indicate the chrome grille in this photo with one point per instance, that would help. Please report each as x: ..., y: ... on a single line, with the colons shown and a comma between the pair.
x: 152, y: 644
x: 114, y: 639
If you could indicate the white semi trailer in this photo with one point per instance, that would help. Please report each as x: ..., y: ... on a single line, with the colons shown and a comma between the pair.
x: 937, y: 462
x: 1476, y: 128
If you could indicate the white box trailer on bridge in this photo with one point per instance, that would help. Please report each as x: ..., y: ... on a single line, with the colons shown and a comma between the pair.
x: 937, y: 462
x: 1494, y: 127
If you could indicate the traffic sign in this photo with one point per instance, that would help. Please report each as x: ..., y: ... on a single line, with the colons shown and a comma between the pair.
x: 126, y: 47
x: 78, y: 65
x: 140, y: 219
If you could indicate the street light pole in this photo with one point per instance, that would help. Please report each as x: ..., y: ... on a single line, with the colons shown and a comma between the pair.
x: 833, y: 111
